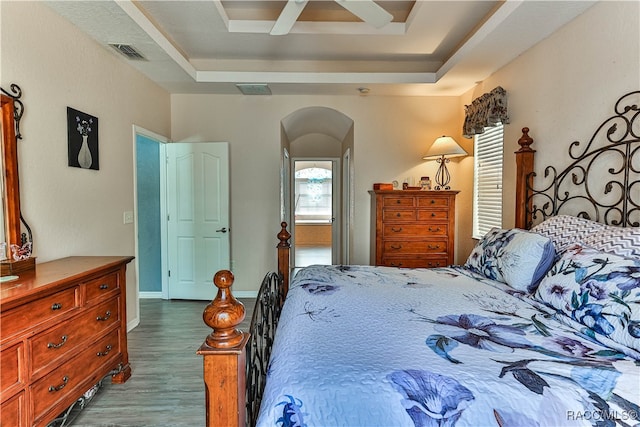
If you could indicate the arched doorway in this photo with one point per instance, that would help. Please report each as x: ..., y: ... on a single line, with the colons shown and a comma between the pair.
x: 320, y: 137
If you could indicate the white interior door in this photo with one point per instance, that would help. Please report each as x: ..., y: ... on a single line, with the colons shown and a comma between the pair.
x: 198, y: 217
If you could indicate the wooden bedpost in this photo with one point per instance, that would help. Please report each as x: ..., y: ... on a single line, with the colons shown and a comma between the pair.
x: 524, y: 177
x: 283, y: 256
x: 224, y: 357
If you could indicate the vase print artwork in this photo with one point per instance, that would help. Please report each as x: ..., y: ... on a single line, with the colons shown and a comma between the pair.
x: 84, y: 156
x: 82, y: 134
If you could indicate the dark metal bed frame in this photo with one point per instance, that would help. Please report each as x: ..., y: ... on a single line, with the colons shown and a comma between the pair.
x: 602, y: 183
x: 608, y: 194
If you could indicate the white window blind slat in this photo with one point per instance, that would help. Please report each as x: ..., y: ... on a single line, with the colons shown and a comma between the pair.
x: 487, y: 206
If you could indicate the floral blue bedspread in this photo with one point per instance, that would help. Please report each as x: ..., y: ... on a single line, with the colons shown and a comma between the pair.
x: 377, y: 346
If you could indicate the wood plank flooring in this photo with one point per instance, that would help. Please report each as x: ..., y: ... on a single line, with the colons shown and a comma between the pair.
x: 166, y: 388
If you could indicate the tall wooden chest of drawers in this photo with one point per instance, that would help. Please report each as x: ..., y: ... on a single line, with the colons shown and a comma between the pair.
x: 413, y: 228
x: 62, y: 329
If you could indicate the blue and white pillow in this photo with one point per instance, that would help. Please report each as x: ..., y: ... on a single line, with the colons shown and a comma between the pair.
x: 516, y: 257
x: 599, y: 290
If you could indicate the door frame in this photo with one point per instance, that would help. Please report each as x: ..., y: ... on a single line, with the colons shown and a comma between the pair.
x: 162, y: 141
x: 347, y: 206
x: 336, y: 205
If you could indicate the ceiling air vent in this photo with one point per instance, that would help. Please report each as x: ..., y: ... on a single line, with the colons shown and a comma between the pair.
x: 254, y: 88
x: 128, y: 51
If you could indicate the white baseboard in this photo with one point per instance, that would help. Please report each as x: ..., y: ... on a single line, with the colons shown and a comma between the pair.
x: 150, y: 295
x: 133, y: 323
x: 237, y: 294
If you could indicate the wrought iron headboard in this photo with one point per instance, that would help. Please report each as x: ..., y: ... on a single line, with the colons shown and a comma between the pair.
x: 602, y: 182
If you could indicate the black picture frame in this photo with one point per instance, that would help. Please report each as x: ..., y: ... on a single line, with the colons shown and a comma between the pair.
x: 82, y: 136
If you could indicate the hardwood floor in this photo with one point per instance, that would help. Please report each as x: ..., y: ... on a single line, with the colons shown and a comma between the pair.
x: 166, y: 387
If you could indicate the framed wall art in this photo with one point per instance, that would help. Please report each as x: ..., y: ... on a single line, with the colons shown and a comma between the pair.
x: 82, y: 134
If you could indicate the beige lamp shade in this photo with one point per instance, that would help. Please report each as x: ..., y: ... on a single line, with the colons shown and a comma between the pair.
x: 444, y: 146
x: 442, y: 150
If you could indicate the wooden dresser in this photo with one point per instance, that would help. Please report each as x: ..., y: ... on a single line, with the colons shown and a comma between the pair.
x: 62, y: 329
x: 413, y: 228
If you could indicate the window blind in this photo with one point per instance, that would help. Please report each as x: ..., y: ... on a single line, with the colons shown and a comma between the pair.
x: 487, y: 206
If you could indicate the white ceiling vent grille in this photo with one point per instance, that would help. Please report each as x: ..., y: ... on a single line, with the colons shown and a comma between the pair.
x: 128, y: 51
x: 254, y: 88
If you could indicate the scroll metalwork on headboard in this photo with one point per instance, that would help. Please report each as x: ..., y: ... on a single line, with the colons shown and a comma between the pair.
x: 602, y: 182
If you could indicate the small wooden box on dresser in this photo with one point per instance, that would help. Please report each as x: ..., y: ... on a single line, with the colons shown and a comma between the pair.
x: 62, y: 329
x: 412, y: 228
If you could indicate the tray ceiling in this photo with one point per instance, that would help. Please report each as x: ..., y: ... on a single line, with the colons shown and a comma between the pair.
x: 428, y: 47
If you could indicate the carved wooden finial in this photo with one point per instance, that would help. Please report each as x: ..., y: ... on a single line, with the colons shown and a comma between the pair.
x: 525, y: 140
x: 223, y: 314
x: 284, y: 236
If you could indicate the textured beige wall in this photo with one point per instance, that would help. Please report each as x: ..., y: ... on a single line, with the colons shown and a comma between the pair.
x: 390, y: 134
x: 564, y: 88
x: 76, y: 211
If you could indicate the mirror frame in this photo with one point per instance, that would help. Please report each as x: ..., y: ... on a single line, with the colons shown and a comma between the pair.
x: 11, y: 184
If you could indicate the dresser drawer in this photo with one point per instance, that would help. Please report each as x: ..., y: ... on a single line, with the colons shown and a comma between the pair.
x: 442, y: 202
x: 390, y: 215
x: 102, y: 287
x: 39, y: 311
x: 50, y: 345
x: 13, y: 412
x: 414, y: 262
x: 415, y: 247
x: 406, y: 201
x: 432, y: 215
x: 414, y: 230
x: 60, y: 385
x: 11, y: 367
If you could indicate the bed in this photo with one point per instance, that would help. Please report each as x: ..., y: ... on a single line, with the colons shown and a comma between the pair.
x: 539, y: 327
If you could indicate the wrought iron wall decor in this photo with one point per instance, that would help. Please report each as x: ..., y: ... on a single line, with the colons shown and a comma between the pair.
x: 602, y: 182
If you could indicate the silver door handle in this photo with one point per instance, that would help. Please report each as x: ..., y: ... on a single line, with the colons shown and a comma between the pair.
x: 222, y: 230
